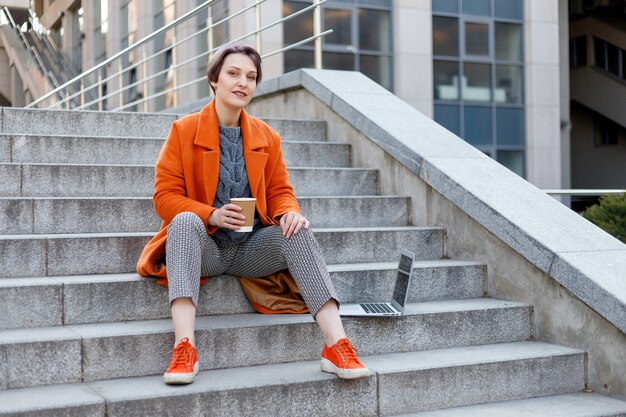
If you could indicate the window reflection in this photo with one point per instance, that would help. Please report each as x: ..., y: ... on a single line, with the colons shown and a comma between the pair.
x: 477, y: 7
x: 445, y: 36
x: 509, y: 84
x: 476, y: 39
x: 476, y: 82
x: 446, y: 77
x: 339, y: 22
x: 478, y: 125
x: 299, y: 27
x: 377, y: 68
x: 508, y: 38
x: 339, y: 61
x: 377, y: 33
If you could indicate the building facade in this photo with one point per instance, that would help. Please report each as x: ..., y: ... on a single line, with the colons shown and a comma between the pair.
x: 539, y: 85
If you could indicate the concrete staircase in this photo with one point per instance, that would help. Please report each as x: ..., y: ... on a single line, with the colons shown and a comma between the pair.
x: 83, y: 335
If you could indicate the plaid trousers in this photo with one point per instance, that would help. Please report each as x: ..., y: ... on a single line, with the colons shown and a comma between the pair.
x: 191, y: 253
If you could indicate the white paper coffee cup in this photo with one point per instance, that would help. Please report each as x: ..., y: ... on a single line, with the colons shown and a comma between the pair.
x: 247, y: 205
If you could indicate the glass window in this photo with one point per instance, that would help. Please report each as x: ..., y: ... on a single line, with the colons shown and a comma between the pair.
x: 477, y: 7
x: 448, y: 6
x: 476, y: 83
x: 376, y: 33
x: 510, y: 126
x: 476, y: 39
x: 296, y: 58
x: 339, y: 22
x: 509, y: 84
x: 377, y: 68
x: 449, y: 117
x: 513, y: 160
x: 508, y: 9
x: 478, y: 125
x: 612, y: 59
x: 508, y: 38
x: 338, y: 61
x: 381, y: 3
x: 446, y: 77
x: 299, y: 27
x: 445, y: 36
x: 599, y: 52
x: 578, y: 52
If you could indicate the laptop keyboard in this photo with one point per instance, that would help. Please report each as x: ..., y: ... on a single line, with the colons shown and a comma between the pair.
x: 377, y: 308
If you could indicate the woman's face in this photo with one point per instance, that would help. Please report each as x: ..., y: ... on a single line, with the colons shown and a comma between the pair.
x: 236, y: 81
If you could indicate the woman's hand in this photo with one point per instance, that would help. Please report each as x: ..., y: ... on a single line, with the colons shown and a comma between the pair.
x: 291, y: 223
x: 227, y: 217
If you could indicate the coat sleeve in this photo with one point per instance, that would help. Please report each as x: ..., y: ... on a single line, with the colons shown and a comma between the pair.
x: 170, y: 185
x: 279, y: 191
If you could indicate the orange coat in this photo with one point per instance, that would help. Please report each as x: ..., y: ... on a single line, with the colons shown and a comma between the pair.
x: 187, y: 171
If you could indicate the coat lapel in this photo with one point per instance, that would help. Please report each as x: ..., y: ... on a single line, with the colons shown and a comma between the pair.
x: 208, y: 136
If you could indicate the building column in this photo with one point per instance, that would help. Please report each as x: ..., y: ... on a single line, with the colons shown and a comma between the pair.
x: 413, y: 56
x: 71, y: 37
x: 146, y: 24
x: 566, y: 124
x: 543, y: 89
x: 191, y: 48
x: 117, y: 26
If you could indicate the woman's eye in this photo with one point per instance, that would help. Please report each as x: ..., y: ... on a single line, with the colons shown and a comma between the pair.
x: 251, y: 77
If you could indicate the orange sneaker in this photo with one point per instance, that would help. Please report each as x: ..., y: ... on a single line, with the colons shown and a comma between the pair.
x: 184, y: 364
x: 341, y: 359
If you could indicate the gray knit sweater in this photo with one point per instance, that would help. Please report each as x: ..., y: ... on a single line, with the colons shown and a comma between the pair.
x: 232, y: 181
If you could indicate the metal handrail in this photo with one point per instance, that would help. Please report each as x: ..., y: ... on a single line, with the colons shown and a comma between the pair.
x: 166, y: 70
x: 203, y: 78
x: 122, y: 52
x: 202, y: 55
x: 584, y: 192
x: 68, y: 93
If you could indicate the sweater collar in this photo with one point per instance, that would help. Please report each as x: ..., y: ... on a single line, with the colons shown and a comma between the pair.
x: 208, y: 134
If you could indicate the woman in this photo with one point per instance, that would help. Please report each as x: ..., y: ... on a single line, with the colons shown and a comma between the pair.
x: 208, y: 158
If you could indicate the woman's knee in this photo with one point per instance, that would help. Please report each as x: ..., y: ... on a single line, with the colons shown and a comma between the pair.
x: 303, y: 237
x: 185, y: 221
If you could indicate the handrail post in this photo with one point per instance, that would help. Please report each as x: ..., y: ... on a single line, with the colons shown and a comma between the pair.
x: 120, y: 78
x: 100, y: 101
x: 82, y: 92
x: 144, y: 74
x: 67, y: 94
x: 209, y: 40
x: 317, y: 29
x: 257, y: 19
x: 174, y: 72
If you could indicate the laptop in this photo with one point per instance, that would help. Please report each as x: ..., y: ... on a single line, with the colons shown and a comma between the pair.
x: 398, y: 299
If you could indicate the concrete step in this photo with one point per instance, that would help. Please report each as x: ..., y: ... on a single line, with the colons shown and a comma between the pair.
x: 39, y: 302
x: 299, y: 130
x: 89, y: 352
x: 49, y: 180
x: 579, y: 404
x: 138, y: 151
x: 124, y: 124
x: 111, y: 253
x: 408, y: 382
x: 20, y: 215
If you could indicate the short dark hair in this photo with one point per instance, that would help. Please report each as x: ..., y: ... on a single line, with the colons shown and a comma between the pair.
x: 217, y: 61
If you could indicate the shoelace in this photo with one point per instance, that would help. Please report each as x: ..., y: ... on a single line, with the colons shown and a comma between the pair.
x: 347, y: 351
x: 181, y: 355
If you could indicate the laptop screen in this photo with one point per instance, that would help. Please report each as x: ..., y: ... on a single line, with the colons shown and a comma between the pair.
x: 402, y: 281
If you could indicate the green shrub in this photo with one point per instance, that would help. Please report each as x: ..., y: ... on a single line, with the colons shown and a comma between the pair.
x: 610, y: 215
